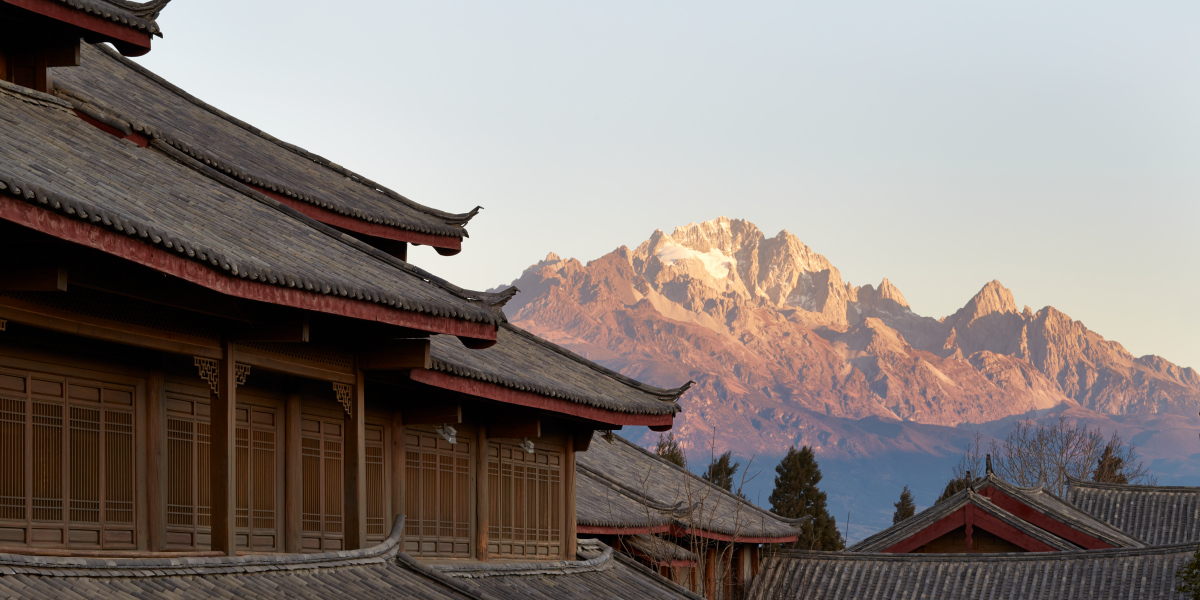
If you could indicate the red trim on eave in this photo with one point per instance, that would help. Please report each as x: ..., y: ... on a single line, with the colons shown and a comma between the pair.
x: 679, y: 531
x: 125, y: 247
x: 134, y: 137
x: 498, y: 393
x: 83, y: 20
x: 969, y: 515
x: 328, y: 217
x: 671, y: 562
x: 598, y: 530
x: 1028, y: 513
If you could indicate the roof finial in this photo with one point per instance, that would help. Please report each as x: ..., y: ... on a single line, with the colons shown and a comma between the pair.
x: 989, y: 464
x: 970, y: 482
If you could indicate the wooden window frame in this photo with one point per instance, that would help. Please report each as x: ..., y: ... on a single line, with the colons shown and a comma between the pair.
x: 98, y: 404
x: 509, y: 507
x: 322, y: 438
x: 437, y: 537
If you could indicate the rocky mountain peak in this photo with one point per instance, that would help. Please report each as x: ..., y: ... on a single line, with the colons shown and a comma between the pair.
x: 993, y: 298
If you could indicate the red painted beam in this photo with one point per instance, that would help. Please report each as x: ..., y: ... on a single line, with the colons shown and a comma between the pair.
x: 498, y: 393
x: 680, y: 531
x: 446, y: 245
x: 1032, y: 515
x: 934, y: 531
x: 122, y: 246
x: 596, y: 530
x: 94, y: 23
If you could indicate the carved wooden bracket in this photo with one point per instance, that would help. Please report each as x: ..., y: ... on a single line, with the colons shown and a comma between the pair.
x: 343, y: 391
x: 210, y: 372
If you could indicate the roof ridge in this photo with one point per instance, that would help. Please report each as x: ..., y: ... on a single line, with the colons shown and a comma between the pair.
x: 98, y: 110
x: 665, y: 394
x: 1189, y: 548
x: 1085, y: 521
x: 731, y: 495
x: 33, y: 96
x: 632, y: 494
x: 458, y: 219
x: 1073, y: 483
x: 60, y: 566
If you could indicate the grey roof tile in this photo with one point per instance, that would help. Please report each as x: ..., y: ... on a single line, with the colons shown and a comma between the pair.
x: 1156, y: 515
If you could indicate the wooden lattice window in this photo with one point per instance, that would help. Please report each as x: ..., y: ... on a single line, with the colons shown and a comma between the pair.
x: 439, y: 494
x: 322, y: 498
x: 525, y: 502
x: 377, y: 485
x: 68, y: 468
x: 189, y: 513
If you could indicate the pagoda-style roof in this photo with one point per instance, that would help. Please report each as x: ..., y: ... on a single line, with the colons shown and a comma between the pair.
x: 1040, y: 504
x: 1094, y: 574
x: 605, y: 506
x: 107, y: 85
x: 381, y: 572
x: 158, y: 207
x: 135, y: 15
x: 526, y: 364
x: 1031, y: 518
x: 1154, y: 514
x: 693, y: 505
x: 956, y: 511
x: 598, y: 573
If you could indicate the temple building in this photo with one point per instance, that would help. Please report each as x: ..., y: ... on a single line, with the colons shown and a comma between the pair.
x: 219, y: 375
x: 699, y: 535
x: 998, y: 540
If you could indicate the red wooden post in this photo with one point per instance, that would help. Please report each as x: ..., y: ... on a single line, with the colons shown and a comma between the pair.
x: 355, y: 466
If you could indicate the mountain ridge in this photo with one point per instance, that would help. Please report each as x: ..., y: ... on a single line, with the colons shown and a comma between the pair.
x: 785, y: 352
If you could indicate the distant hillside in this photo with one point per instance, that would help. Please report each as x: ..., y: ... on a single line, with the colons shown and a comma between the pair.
x: 784, y: 352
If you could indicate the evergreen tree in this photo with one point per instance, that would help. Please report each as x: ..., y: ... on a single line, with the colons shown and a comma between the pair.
x: 955, y: 486
x: 796, y: 495
x: 721, y: 471
x: 1110, y: 467
x: 1188, y: 578
x: 668, y: 448
x: 905, y: 508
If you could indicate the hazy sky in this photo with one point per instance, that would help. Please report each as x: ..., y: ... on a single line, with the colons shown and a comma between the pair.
x: 1054, y: 146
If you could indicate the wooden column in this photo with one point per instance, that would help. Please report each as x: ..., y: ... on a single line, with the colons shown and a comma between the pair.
x: 355, y: 477
x: 155, y: 463
x: 223, y: 470
x: 293, y: 475
x: 481, y: 494
x: 398, y: 466
x: 710, y: 572
x: 754, y: 554
x: 569, y: 532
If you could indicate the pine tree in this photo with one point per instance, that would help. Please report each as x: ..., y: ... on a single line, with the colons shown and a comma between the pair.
x: 796, y: 495
x: 668, y: 448
x: 905, y: 508
x: 955, y: 486
x: 1188, y: 578
x: 1110, y: 468
x: 721, y: 471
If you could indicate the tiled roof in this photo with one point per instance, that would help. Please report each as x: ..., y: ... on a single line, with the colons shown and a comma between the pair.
x: 132, y: 14
x: 658, y: 549
x: 1154, y: 514
x: 52, y: 159
x: 599, y: 573
x: 374, y: 573
x: 522, y: 361
x: 1093, y: 574
x: 1062, y: 511
x: 109, y: 84
x: 911, y: 526
x: 640, y: 475
x: 600, y: 503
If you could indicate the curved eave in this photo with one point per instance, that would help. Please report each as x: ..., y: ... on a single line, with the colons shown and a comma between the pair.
x: 684, y: 531
x: 109, y: 242
x: 445, y: 245
x: 130, y: 41
x: 498, y: 393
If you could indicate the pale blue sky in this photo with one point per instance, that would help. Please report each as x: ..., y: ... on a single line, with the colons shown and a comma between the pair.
x: 1051, y: 145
